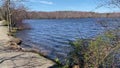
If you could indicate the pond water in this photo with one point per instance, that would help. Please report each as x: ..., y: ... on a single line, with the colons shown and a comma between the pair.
x: 51, y: 36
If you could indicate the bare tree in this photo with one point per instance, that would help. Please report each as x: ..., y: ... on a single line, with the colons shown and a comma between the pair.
x: 7, y: 11
x: 116, y: 3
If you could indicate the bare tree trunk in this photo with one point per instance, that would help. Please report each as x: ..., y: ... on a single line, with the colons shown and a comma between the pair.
x: 9, y: 11
x: 8, y: 15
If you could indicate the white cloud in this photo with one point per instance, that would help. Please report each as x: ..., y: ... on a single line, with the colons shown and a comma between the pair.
x: 46, y: 2
x: 41, y: 1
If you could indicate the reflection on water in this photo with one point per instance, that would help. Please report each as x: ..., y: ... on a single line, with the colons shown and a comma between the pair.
x: 52, y: 35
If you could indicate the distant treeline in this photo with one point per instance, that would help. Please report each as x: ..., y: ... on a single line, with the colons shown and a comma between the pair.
x: 68, y: 14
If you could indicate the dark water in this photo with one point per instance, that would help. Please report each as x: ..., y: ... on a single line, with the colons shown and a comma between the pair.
x: 51, y: 36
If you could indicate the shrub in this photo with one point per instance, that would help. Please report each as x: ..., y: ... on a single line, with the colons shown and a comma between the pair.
x: 94, y: 53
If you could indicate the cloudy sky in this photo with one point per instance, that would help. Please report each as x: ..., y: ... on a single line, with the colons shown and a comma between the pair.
x: 68, y: 5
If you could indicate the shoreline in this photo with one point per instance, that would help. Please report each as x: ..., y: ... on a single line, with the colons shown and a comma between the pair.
x: 33, y: 59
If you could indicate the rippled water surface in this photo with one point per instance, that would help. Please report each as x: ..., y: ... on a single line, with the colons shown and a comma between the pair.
x: 52, y: 35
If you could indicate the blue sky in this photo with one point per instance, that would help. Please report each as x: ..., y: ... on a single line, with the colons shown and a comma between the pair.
x: 68, y: 5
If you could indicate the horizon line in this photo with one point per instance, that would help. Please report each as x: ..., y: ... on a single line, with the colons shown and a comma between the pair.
x: 73, y: 11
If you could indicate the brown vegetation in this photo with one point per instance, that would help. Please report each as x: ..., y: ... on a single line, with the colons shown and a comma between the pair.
x: 13, y: 13
x: 68, y: 14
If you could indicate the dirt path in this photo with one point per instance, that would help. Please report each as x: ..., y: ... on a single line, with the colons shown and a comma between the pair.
x: 3, y: 33
x: 16, y: 59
